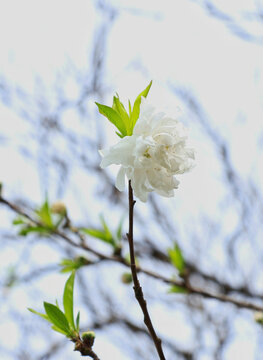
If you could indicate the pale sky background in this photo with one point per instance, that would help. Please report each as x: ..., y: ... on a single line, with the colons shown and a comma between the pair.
x: 172, y: 42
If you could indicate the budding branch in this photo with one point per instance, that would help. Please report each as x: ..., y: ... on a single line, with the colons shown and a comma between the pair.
x: 186, y: 285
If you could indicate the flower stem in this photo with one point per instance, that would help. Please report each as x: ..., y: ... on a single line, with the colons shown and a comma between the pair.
x: 136, y: 284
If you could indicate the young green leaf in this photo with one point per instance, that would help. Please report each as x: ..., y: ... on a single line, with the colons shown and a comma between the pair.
x: 44, y: 214
x: 29, y: 229
x: 177, y: 289
x: 119, y: 107
x: 136, y: 107
x: 99, y: 234
x: 68, y: 265
x: 113, y: 117
x: 19, y: 220
x: 107, y: 231
x: 77, y: 321
x: 59, y: 330
x: 57, y: 317
x: 68, y: 300
x: 44, y: 316
x: 119, y: 134
x: 130, y: 108
x: 177, y: 258
x: 119, y: 229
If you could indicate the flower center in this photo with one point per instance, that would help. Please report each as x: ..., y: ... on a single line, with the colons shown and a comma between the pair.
x: 146, y: 153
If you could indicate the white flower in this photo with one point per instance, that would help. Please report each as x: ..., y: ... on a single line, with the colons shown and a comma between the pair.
x: 151, y: 157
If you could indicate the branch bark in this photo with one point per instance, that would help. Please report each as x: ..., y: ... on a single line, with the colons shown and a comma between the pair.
x: 187, y: 286
x: 137, y: 287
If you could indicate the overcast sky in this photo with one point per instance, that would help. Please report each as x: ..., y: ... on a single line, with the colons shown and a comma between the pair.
x: 174, y: 43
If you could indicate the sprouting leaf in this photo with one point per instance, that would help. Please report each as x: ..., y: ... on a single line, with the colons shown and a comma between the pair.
x: 19, y: 220
x: 77, y: 321
x: 119, y: 134
x: 68, y: 299
x: 44, y: 316
x: 178, y: 289
x: 113, y: 117
x: 177, y: 258
x: 68, y: 265
x: 95, y: 233
x: 130, y: 108
x: 136, y: 107
x: 44, y: 213
x: 119, y: 229
x: 57, y: 317
x: 59, y: 330
x: 107, y: 231
x: 99, y: 234
x: 29, y: 229
x: 119, y: 107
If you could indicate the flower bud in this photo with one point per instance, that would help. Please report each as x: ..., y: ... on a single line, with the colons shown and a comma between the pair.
x: 126, y: 278
x: 58, y: 208
x: 88, y: 338
x: 258, y: 316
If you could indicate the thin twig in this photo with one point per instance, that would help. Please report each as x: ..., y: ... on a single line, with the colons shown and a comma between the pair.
x: 137, y: 287
x: 187, y: 286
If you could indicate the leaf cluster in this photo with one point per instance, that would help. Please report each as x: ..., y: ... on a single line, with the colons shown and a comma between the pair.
x: 69, y: 265
x: 62, y: 321
x: 118, y: 116
x: 47, y: 221
x: 106, y: 235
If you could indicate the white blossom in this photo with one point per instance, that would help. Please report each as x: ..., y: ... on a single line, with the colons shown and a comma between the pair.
x: 152, y: 155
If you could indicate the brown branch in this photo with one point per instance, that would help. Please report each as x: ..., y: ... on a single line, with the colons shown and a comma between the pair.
x: 84, y: 349
x: 137, y: 287
x: 186, y: 285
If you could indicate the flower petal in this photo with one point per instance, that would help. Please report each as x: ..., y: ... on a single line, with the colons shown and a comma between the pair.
x: 120, y: 179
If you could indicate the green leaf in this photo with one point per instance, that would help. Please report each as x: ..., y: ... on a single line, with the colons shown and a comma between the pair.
x: 19, y: 221
x: 99, y: 234
x: 68, y: 299
x: 67, y: 262
x: 28, y: 229
x: 44, y: 214
x: 57, y: 317
x: 136, y: 107
x: 44, y: 316
x: 68, y: 265
x: 59, y: 330
x: 119, y: 107
x: 177, y: 258
x: 107, y: 231
x: 77, y: 321
x: 130, y: 108
x: 95, y: 233
x: 119, y: 229
x: 177, y: 289
x: 113, y: 117
x: 119, y: 134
